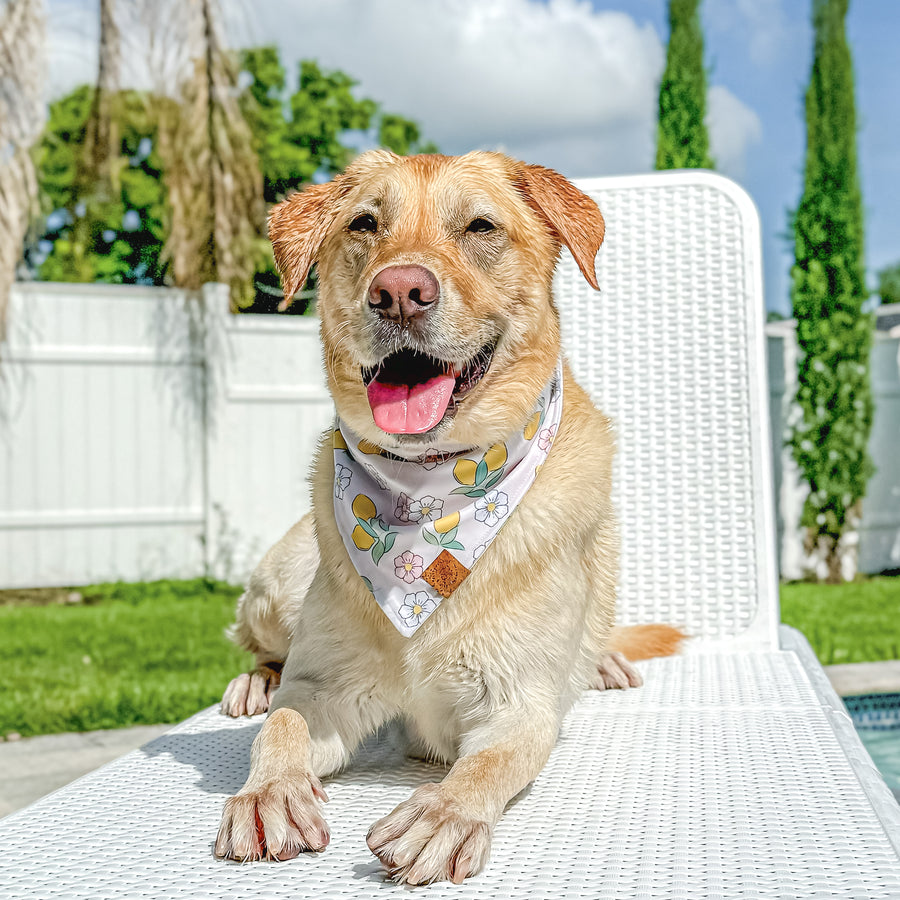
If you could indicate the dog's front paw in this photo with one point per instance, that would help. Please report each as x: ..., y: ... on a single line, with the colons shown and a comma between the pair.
x: 278, y: 821
x: 430, y: 838
x: 614, y: 671
x: 251, y: 692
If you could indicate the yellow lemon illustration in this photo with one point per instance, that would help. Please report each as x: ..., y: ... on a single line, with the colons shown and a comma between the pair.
x: 446, y: 523
x: 369, y: 448
x: 363, y: 508
x: 496, y: 456
x: 464, y: 471
x: 337, y: 440
x: 362, y: 538
x: 532, y: 426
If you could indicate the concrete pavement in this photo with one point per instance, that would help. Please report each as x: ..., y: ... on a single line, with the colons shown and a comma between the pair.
x: 33, y: 767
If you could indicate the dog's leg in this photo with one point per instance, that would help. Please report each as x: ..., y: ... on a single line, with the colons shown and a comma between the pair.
x: 266, y: 615
x: 309, y: 734
x: 444, y: 830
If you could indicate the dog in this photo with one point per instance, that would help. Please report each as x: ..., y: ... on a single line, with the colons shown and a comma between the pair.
x: 459, y: 568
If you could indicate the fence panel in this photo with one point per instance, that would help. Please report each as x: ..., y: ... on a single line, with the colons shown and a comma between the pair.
x: 879, y: 532
x: 101, y: 471
x: 268, y: 407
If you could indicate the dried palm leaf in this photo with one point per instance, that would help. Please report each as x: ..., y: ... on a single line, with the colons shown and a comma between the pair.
x: 212, y: 173
x: 101, y: 139
x: 22, y: 31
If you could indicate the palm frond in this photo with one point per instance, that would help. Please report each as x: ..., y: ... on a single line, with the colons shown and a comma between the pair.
x: 211, y: 169
x: 101, y: 140
x: 22, y: 31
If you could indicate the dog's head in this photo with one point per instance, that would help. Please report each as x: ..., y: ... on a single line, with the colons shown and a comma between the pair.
x: 435, y: 272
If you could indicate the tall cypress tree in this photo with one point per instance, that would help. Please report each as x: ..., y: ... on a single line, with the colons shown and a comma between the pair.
x: 682, y: 140
x: 830, y: 441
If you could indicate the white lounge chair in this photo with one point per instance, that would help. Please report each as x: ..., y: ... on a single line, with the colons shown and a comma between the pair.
x: 734, y: 772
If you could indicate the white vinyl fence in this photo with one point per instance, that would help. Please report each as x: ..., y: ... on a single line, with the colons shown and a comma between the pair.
x: 142, y: 438
x: 145, y: 436
x: 879, y: 532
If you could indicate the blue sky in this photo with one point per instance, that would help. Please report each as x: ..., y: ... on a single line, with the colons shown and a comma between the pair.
x: 765, y: 60
x: 572, y: 84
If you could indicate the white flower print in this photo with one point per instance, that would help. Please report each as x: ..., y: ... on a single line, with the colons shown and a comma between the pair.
x: 546, y: 438
x: 432, y: 459
x: 342, y: 478
x: 408, y: 566
x: 416, y: 609
x: 492, y: 507
x: 425, y: 510
x: 402, y: 510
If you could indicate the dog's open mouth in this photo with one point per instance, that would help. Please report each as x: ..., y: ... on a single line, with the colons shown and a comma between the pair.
x: 410, y: 392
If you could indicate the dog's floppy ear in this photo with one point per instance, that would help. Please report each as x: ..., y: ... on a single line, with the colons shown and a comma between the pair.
x: 297, y: 229
x: 571, y: 215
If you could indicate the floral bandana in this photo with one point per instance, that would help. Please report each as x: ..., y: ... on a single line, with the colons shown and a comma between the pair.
x: 415, y: 528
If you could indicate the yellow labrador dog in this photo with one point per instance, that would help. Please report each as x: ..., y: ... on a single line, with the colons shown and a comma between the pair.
x: 462, y: 574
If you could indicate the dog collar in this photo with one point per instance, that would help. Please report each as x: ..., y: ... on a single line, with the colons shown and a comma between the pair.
x: 414, y: 529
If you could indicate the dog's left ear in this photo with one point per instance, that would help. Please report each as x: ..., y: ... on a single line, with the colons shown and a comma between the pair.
x: 297, y: 230
x: 571, y: 215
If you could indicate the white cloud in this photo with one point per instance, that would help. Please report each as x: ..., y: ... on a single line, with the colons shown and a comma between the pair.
x: 554, y: 82
x: 72, y: 28
x: 576, y: 85
x: 733, y: 129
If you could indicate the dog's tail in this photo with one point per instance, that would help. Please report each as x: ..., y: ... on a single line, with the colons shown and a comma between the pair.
x: 645, y: 641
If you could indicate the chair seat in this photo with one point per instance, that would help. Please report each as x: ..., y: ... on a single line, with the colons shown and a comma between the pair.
x: 726, y: 775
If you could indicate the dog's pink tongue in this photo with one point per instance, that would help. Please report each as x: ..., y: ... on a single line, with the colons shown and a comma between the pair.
x: 405, y: 409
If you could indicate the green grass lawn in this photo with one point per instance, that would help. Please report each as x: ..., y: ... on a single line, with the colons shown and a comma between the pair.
x: 127, y: 654
x: 846, y: 623
x: 145, y: 653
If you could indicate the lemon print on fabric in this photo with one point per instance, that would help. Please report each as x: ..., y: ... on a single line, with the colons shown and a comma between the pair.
x: 464, y: 471
x: 370, y: 533
x: 362, y: 538
x: 368, y: 448
x: 447, y: 523
x: 496, y: 457
x: 363, y: 507
x: 444, y: 534
x: 337, y: 440
x: 477, y: 478
x: 535, y: 422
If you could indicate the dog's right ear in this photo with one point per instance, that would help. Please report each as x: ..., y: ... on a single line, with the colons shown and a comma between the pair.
x: 572, y: 217
x: 297, y: 229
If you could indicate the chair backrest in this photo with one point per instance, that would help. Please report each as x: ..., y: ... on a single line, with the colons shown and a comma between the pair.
x: 673, y: 348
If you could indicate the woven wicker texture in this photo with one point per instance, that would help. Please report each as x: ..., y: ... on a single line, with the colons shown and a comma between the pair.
x: 720, y: 778
x: 666, y: 349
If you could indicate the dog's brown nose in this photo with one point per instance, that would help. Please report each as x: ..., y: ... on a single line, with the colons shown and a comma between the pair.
x: 403, y: 292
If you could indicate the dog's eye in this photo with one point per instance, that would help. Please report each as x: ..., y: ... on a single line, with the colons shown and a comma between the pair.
x: 365, y: 222
x: 479, y: 226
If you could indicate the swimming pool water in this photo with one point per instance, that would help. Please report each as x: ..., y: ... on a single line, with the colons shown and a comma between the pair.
x: 877, y: 720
